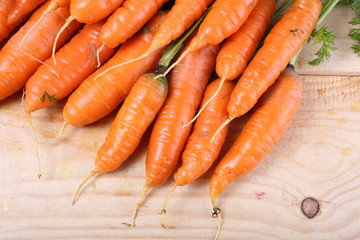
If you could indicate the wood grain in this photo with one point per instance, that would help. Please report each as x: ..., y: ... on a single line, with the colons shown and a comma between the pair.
x: 317, y: 157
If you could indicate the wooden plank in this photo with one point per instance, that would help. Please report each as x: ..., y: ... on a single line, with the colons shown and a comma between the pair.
x: 318, y: 157
x: 343, y: 61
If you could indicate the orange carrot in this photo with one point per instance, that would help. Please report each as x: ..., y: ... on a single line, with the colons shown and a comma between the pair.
x: 76, y: 61
x: 18, y: 64
x: 127, y: 20
x: 168, y: 137
x: 199, y: 153
x: 223, y: 20
x: 88, y: 11
x: 136, y: 114
x: 82, y: 108
x: 282, y: 43
x: 269, y: 121
x: 22, y: 8
x: 237, y: 50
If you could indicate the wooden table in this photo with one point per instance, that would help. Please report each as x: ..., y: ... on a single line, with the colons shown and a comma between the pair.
x: 319, y: 157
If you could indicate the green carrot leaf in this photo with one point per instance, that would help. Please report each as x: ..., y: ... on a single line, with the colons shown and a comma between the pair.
x: 327, y: 41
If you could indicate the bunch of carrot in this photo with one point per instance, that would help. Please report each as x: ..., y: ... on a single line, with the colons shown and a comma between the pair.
x: 135, y: 74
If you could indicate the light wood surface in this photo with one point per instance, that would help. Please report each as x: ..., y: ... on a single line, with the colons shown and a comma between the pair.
x: 319, y: 156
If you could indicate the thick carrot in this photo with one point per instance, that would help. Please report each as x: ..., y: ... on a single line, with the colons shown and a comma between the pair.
x: 238, y: 49
x: 76, y: 61
x: 22, y: 8
x: 199, y: 153
x: 281, y: 44
x: 127, y: 20
x: 18, y: 64
x: 168, y: 137
x: 83, y: 108
x: 88, y: 11
x: 224, y: 19
x: 269, y: 121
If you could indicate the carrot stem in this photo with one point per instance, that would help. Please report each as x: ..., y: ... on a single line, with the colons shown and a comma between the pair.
x: 92, y: 174
x: 282, y: 8
x: 138, y: 204
x: 163, y: 211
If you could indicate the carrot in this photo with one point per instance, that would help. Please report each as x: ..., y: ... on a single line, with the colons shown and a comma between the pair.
x: 98, y: 95
x: 54, y: 4
x: 181, y: 16
x: 18, y: 64
x: 199, y: 153
x: 282, y: 43
x: 88, y: 11
x: 76, y: 61
x: 127, y: 20
x: 237, y: 50
x: 223, y: 20
x: 269, y: 121
x: 22, y: 8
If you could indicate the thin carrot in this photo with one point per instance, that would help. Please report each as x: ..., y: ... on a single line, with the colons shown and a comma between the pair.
x: 54, y: 4
x: 181, y: 16
x: 76, y: 61
x: 98, y: 95
x: 224, y: 19
x: 18, y: 64
x: 199, y: 153
x: 22, y: 8
x: 238, y: 49
x: 88, y: 11
x: 282, y: 43
x: 269, y: 121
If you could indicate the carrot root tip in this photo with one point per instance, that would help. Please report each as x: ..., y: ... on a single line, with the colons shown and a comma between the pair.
x: 138, y: 204
x: 92, y: 173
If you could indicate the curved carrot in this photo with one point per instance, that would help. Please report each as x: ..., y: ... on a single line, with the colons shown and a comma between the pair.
x: 76, y: 61
x: 200, y: 153
x: 223, y: 20
x: 88, y: 11
x: 237, y: 50
x: 168, y: 136
x: 22, y: 8
x: 136, y: 114
x: 281, y: 44
x: 272, y: 116
x: 82, y: 108
x: 127, y: 20
x: 18, y: 64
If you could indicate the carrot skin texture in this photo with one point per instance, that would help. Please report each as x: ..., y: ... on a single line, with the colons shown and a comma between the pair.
x: 224, y: 19
x: 22, y: 8
x: 168, y: 137
x: 136, y: 114
x: 127, y: 20
x: 15, y: 66
x: 5, y: 27
x: 279, y: 47
x: 181, y: 16
x: 91, y: 11
x: 82, y: 108
x: 269, y: 121
x: 75, y: 61
x: 237, y: 50
x: 199, y: 153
